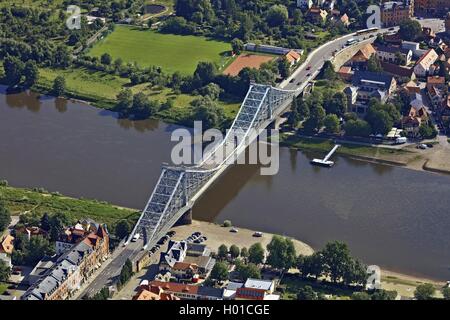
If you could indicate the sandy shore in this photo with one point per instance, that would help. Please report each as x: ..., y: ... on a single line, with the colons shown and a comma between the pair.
x: 217, y: 235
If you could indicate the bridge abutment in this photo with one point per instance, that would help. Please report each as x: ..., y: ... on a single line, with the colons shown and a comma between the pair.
x: 185, y: 219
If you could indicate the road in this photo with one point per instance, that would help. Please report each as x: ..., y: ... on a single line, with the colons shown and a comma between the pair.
x: 317, y: 58
x: 111, y: 268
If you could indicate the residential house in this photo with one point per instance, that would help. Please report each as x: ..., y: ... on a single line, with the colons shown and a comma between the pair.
x: 345, y: 73
x: 149, y: 296
x: 60, y: 279
x: 444, y: 111
x: 7, y: 244
x: 412, y: 87
x: 317, y: 15
x: 417, y: 116
x: 362, y: 56
x: 184, y: 291
x: 392, y: 54
x: 187, y: 261
x: 345, y: 20
x: 394, y: 12
x: 425, y: 62
x: 431, y: 7
x: 414, y: 47
x: 437, y: 96
x: 255, y: 289
x: 292, y: 57
x: 398, y: 71
x: 436, y: 81
x: 367, y: 85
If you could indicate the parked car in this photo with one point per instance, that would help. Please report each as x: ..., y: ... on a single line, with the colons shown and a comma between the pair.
x: 421, y: 146
x: 430, y: 145
x: 308, y: 68
x: 234, y: 230
x: 258, y: 234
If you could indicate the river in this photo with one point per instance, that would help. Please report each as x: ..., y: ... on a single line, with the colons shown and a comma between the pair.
x: 390, y: 216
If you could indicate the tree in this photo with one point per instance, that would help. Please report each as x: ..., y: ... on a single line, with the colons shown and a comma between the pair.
x: 336, y: 104
x: 310, y: 265
x: 382, y: 294
x: 281, y: 253
x: 427, y: 132
x: 13, y: 70
x: 284, y: 67
x: 220, y: 271
x: 303, y: 109
x: 410, y: 30
x: 246, y: 271
x: 205, y: 72
x: 374, y: 64
x: 360, y: 296
x: 327, y: 71
x: 244, y: 253
x: 222, y: 252
x: 234, y: 251
x: 143, y: 106
x: 424, y: 291
x: 211, y: 90
x: 294, y: 116
x: 207, y: 111
x: 277, y: 15
x: 126, y: 272
x: 5, y: 271
x: 315, y: 120
x: 331, y: 123
x: 237, y: 45
x: 306, y: 293
x: 59, y: 86
x: 400, y: 59
x: 106, y: 59
x: 446, y: 293
x: 31, y: 73
x: 256, y: 253
x: 336, y: 260
x: 124, y: 100
x: 357, y: 128
x: 5, y: 217
x: 36, y: 249
x: 122, y: 229
x: 45, y: 222
x: 57, y: 223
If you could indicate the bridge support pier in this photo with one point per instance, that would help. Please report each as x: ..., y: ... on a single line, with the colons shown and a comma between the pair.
x: 185, y: 219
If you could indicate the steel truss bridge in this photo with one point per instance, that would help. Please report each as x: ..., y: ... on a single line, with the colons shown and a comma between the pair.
x: 178, y: 187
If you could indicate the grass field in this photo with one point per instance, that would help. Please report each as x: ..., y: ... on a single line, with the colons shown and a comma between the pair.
x: 170, y: 52
x: 19, y: 200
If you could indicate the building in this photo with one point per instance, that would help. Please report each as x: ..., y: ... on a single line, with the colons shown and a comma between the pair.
x: 417, y: 116
x: 268, y: 49
x: 398, y: 71
x: 304, y: 4
x: 7, y: 244
x: 447, y: 24
x: 367, y: 85
x: 425, y: 62
x: 393, y: 54
x: 6, y: 258
x: 255, y: 289
x: 436, y: 81
x: 412, y: 87
x: 362, y: 56
x: 317, y: 15
x: 345, y: 73
x: 414, y: 47
x: 187, y: 261
x: 58, y: 280
x: 292, y: 57
x: 345, y: 20
x: 184, y: 291
x: 394, y: 12
x: 149, y: 296
x: 431, y: 7
x: 437, y: 97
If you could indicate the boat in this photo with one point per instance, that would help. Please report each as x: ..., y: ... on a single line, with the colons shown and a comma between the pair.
x: 320, y: 162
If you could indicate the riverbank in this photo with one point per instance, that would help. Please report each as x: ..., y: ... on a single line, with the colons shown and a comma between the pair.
x: 431, y: 160
x: 21, y: 201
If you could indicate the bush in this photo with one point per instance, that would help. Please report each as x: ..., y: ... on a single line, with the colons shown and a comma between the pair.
x: 3, y: 183
x: 227, y: 224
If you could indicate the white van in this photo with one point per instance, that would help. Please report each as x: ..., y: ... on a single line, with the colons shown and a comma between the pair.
x: 401, y: 140
x: 136, y: 237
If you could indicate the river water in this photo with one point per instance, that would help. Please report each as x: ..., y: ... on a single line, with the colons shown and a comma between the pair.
x: 394, y: 217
